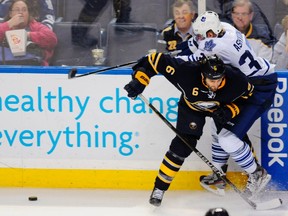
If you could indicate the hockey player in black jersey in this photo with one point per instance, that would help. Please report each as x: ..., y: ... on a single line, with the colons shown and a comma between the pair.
x: 209, y: 88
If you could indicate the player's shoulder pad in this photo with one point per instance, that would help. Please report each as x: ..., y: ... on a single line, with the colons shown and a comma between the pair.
x: 188, y: 63
x: 234, y: 72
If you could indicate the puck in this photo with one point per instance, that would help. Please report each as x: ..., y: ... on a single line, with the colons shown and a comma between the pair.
x: 32, y: 198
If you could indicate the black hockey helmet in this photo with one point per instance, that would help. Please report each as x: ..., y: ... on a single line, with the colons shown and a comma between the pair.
x: 217, y: 212
x: 212, y: 67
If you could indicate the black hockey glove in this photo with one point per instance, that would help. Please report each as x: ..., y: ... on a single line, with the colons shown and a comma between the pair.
x: 222, y: 115
x: 134, y: 88
x: 137, y: 85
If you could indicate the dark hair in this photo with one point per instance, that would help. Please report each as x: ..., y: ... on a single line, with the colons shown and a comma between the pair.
x: 32, y: 6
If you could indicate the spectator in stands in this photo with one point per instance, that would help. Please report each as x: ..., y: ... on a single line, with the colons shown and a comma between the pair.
x: 257, y: 34
x: 180, y: 29
x: 41, y: 10
x: 280, y: 55
x: 280, y: 10
x: 259, y: 17
x: 43, y: 39
x: 90, y: 13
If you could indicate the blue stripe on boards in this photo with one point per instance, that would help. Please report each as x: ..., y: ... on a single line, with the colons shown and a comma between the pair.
x: 61, y: 70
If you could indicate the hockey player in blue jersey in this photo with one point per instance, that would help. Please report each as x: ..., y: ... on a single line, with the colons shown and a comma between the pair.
x: 215, y: 37
x: 209, y: 88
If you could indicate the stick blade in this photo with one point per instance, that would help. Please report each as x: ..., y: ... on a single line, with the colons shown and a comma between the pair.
x: 72, y: 73
x: 214, y: 190
x: 267, y: 205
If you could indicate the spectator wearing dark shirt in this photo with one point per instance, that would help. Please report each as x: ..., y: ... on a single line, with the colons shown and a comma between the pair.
x: 180, y: 29
x: 259, y: 18
x: 257, y: 34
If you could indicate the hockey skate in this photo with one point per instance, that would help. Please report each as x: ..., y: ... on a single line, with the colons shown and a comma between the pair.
x: 213, y: 183
x: 256, y: 182
x: 156, y: 197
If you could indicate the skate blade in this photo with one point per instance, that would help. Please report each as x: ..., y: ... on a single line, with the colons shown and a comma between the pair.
x: 265, y: 182
x: 213, y: 189
x: 267, y: 205
x: 255, y: 195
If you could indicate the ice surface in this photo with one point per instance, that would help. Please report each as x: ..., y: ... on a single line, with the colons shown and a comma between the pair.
x: 86, y: 202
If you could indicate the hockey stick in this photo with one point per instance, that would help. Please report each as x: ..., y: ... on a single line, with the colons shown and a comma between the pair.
x: 275, y: 203
x: 73, y: 72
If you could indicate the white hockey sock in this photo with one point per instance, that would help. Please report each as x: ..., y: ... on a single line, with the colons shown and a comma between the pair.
x: 244, y: 158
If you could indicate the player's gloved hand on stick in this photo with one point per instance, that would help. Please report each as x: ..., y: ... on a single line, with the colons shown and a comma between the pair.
x: 138, y: 83
x: 222, y: 115
x: 134, y: 88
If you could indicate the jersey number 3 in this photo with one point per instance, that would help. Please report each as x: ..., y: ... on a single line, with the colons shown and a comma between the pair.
x: 253, y: 62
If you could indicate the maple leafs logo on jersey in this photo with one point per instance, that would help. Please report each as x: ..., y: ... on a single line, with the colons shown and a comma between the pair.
x: 209, y: 45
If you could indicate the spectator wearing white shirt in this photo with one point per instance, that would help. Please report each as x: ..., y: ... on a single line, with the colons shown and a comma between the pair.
x: 280, y: 54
